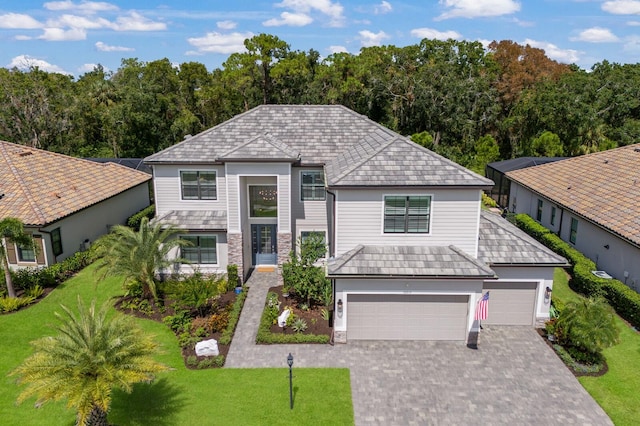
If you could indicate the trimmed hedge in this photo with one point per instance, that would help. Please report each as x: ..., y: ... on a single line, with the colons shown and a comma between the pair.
x: 134, y: 221
x: 265, y: 336
x: 624, y: 300
x: 234, y: 316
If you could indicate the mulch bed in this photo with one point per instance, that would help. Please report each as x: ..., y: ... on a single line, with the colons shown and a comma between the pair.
x: 603, y: 370
x: 315, y: 323
x: 157, y: 315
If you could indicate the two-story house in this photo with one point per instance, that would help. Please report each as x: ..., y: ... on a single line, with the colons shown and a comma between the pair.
x: 409, y: 250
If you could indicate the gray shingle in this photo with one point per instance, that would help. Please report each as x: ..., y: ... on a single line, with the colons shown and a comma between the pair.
x: 195, y: 219
x: 502, y: 243
x: 408, y: 261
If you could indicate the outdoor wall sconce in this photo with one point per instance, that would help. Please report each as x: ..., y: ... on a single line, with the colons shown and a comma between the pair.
x: 606, y: 246
x: 547, y: 294
x: 340, y: 307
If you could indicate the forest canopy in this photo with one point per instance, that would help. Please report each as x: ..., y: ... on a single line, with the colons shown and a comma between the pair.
x: 471, y: 104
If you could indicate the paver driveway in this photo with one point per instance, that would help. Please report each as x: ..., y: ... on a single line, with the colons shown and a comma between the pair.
x: 512, y: 378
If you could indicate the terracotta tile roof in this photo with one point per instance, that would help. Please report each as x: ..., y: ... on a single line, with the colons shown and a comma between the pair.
x: 603, y: 187
x: 41, y: 187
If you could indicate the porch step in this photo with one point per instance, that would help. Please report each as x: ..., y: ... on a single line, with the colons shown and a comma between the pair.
x: 266, y: 268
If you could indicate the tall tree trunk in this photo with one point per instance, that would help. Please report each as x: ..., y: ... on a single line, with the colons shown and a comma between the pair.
x: 7, y: 274
x: 97, y: 417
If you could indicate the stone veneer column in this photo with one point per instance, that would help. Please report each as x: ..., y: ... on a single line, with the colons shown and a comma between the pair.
x: 234, y: 247
x: 284, y: 247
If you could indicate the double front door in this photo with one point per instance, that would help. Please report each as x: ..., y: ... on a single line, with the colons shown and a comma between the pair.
x: 264, y: 246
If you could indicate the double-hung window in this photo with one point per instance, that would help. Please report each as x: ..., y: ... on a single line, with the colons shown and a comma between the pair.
x: 198, y: 185
x: 312, y: 185
x: 26, y: 254
x: 56, y: 242
x: 202, y: 249
x: 410, y: 214
x: 573, y: 233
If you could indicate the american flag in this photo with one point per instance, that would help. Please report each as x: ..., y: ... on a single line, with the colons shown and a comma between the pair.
x: 483, y: 307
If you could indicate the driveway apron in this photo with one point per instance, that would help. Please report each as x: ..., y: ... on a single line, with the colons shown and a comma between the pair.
x: 512, y: 378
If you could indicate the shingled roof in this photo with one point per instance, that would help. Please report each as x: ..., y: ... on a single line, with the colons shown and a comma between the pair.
x: 356, y: 150
x: 502, y: 243
x: 603, y: 187
x: 39, y: 187
x: 408, y: 261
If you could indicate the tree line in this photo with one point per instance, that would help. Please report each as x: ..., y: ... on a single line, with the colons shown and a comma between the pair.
x: 466, y: 102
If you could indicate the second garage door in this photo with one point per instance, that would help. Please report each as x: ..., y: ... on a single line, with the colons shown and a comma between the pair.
x: 511, y: 303
x: 406, y: 317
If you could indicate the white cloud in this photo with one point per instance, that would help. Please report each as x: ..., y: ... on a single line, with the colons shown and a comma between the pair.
x: 596, y: 35
x: 382, y: 8
x: 633, y: 23
x: 226, y: 25
x: 85, y: 68
x: 567, y: 56
x: 435, y: 34
x: 477, y: 8
x: 88, y: 7
x: 338, y: 49
x: 632, y: 44
x: 107, y: 48
x: 60, y: 34
x: 137, y: 22
x: 334, y: 11
x: 215, y: 42
x: 18, y: 21
x: 23, y: 37
x: 290, y: 19
x: 25, y: 63
x: 622, y: 7
x: 74, y: 21
x: 368, y: 38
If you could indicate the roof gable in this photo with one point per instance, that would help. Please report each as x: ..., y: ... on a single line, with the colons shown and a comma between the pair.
x: 603, y: 187
x: 41, y: 187
x: 263, y: 147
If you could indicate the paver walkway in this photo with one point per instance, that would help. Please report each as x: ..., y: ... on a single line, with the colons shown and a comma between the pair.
x: 512, y: 378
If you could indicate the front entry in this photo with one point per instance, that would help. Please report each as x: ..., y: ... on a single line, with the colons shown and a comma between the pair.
x: 264, y: 247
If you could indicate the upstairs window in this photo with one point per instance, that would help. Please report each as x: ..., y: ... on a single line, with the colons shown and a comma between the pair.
x: 198, y: 185
x: 263, y: 201
x: 305, y: 235
x: 407, y: 214
x: 202, y: 250
x: 312, y: 185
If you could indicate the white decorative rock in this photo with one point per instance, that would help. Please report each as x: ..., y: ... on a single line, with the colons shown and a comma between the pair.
x: 282, y: 319
x: 207, y: 348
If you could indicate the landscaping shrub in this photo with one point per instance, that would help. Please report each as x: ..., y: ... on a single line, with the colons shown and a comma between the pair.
x: 10, y: 304
x: 197, y: 291
x: 234, y: 316
x: 134, y: 221
x: 232, y: 276
x: 624, y: 300
x: 265, y: 336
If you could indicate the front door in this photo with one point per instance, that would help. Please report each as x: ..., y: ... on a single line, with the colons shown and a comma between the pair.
x: 264, y: 244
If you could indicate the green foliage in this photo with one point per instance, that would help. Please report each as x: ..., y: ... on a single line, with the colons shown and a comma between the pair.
x: 136, y: 256
x: 35, y: 291
x: 265, y: 336
x: 197, y: 291
x: 625, y: 301
x: 588, y: 326
x: 91, y: 356
x: 232, y: 276
x: 134, y: 221
x: 488, y: 201
x: 574, y: 364
x: 307, y: 281
x: 299, y: 325
x: 548, y: 144
x: 234, y: 317
x: 11, y: 304
x: 12, y: 230
x: 272, y: 307
x: 179, y: 322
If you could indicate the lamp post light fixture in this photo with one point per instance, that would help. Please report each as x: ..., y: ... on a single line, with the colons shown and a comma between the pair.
x: 290, y: 363
x: 547, y: 293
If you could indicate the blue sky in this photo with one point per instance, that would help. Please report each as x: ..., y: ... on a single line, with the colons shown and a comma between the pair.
x: 72, y: 36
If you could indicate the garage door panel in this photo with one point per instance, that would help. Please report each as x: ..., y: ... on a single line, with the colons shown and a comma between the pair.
x: 406, y: 317
x: 511, y: 303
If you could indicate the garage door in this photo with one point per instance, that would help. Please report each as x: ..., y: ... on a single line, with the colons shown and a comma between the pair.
x: 511, y: 303
x: 406, y: 317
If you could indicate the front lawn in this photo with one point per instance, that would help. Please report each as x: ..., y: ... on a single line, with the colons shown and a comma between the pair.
x: 617, y: 390
x: 180, y: 396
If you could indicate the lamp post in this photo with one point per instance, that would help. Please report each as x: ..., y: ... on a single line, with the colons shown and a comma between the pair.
x: 290, y: 363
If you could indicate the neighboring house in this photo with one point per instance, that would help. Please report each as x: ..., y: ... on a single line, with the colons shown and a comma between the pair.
x: 502, y: 185
x: 592, y: 202
x: 64, y: 202
x: 132, y: 163
x: 410, y: 252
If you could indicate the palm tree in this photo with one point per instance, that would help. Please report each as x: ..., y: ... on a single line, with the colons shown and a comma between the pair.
x: 12, y: 230
x: 88, y: 359
x: 589, y: 325
x: 138, y: 255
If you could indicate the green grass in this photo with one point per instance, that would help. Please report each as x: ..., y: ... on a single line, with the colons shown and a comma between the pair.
x: 180, y: 396
x: 617, y: 391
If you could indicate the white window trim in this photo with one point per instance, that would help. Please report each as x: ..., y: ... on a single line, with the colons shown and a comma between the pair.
x: 198, y: 200
x: 217, y: 262
x: 391, y: 234
x: 321, y: 171
x: 19, y: 261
